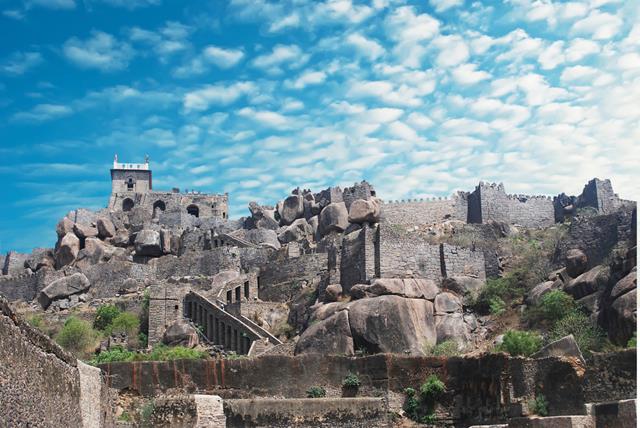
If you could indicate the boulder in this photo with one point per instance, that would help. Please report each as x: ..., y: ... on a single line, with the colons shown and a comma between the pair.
x: 625, y: 285
x: 324, y: 311
x: 392, y: 324
x: 452, y: 327
x: 296, y: 231
x: 411, y: 288
x: 84, y: 231
x: 359, y: 291
x: 105, y: 227
x: 180, y: 333
x: 364, y: 211
x: 122, y: 239
x: 535, y: 295
x: 313, y: 222
x: 621, y: 317
x: 332, y: 293
x: 165, y: 240
x: 333, y: 217
x: 447, y: 303
x: 311, y: 207
x: 292, y: 209
x: 329, y: 336
x: 148, y: 243
x: 576, y: 262
x: 565, y: 347
x: 263, y: 237
x: 40, y: 257
x: 262, y: 216
x: 467, y: 286
x: 62, y: 288
x: 588, y: 283
x: 67, y: 250
x: 64, y: 226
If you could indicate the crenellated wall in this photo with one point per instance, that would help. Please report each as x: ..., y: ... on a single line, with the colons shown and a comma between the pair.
x: 425, y: 211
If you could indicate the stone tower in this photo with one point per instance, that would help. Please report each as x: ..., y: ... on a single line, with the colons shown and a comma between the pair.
x: 130, y: 177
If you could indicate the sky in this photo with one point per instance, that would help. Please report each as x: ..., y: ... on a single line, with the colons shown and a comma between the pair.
x: 256, y: 97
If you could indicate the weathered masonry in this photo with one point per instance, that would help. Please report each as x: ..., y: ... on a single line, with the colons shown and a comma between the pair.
x: 132, y: 191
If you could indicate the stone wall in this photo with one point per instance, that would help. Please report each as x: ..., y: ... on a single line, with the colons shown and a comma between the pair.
x: 281, y: 278
x: 611, y: 376
x: 209, y: 205
x: 418, y: 212
x: 496, y: 205
x: 484, y: 389
x: 27, y: 285
x: 188, y: 411
x: 359, y: 258
x: 306, y: 412
x: 41, y: 385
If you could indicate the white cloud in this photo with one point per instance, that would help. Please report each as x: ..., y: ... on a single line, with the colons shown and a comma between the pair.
x: 600, y: 25
x: 270, y: 119
x: 521, y: 46
x: 630, y: 61
x: 409, y: 30
x: 223, y: 58
x: 280, y: 55
x: 402, y: 130
x: 21, y: 62
x: 53, y: 4
x: 578, y: 73
x: 222, y: 95
x: 101, y: 51
x: 443, y: 5
x: 365, y: 47
x: 384, y: 91
x: 340, y: 10
x: 307, y: 78
x: 289, y: 21
x: 581, y: 48
x: 419, y: 121
x: 43, y: 112
x: 131, y: 4
x: 466, y: 74
x: 453, y: 50
x: 552, y: 55
x: 381, y: 115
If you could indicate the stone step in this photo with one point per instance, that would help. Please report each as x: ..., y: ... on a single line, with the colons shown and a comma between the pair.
x: 580, y: 421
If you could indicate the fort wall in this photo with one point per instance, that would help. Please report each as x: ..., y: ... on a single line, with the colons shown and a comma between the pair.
x: 425, y: 211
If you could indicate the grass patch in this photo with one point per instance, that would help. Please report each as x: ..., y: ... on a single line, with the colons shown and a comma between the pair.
x: 448, y: 348
x: 159, y: 353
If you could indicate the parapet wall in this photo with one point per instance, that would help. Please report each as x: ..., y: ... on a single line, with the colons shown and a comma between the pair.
x: 44, y: 386
x: 425, y: 211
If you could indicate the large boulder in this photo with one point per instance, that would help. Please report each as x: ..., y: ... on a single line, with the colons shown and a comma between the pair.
x: 67, y: 250
x: 63, y: 287
x: 329, y: 336
x: 589, y: 282
x: 447, y: 303
x: 292, y: 208
x: 64, y: 226
x: 576, y: 262
x: 148, y: 243
x: 263, y: 237
x: 411, y: 288
x: 452, y: 326
x: 262, y: 216
x: 334, y: 217
x: 180, y: 333
x: 332, y: 293
x: 296, y: 231
x: 626, y: 284
x: 364, y: 211
x: 565, y: 347
x: 392, y: 324
x: 105, y: 227
x: 622, y: 313
x: 40, y: 257
x: 467, y: 286
x: 84, y: 231
x: 535, y: 295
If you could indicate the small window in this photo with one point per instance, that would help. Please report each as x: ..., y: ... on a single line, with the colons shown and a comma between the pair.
x: 193, y: 210
x: 130, y: 183
x: 175, y: 308
x: 246, y: 290
x: 238, y: 296
x: 229, y: 296
x: 224, y: 215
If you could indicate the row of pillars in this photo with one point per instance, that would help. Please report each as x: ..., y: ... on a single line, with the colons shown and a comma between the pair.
x: 216, y: 330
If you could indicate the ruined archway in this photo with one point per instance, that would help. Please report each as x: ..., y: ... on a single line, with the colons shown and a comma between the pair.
x: 127, y: 204
x: 193, y: 210
x: 158, y: 208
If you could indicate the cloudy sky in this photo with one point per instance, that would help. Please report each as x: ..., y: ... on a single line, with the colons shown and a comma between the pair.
x: 255, y: 97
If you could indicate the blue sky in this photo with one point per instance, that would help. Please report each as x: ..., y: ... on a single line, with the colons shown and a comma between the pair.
x: 254, y: 98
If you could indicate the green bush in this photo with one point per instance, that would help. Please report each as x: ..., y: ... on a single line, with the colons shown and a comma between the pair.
x: 432, y: 388
x: 112, y: 355
x: 351, y: 381
x: 539, y: 406
x: 125, y: 322
x: 76, y: 335
x: 105, y: 316
x: 522, y: 343
x: 143, y: 340
x: 165, y: 353
x: 555, y: 305
x: 588, y: 336
x: 448, y: 348
x: 316, y: 392
x: 411, y: 403
x: 429, y: 419
x: 497, y: 306
x: 146, y: 413
x: 36, y: 321
x: 499, y: 292
x: 632, y: 342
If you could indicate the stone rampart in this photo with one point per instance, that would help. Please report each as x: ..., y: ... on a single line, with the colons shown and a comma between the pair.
x: 26, y: 286
x: 281, y: 278
x: 425, y: 211
x: 41, y: 385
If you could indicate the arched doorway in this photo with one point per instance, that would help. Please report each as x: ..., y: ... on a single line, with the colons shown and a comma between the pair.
x: 158, y: 208
x: 127, y: 204
x: 193, y: 210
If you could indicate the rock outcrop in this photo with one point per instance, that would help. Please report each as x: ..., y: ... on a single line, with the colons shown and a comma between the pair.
x: 62, y: 288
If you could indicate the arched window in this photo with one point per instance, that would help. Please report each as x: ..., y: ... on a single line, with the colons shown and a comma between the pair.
x: 193, y: 210
x: 127, y: 204
x: 224, y: 214
x: 158, y: 207
x: 130, y: 183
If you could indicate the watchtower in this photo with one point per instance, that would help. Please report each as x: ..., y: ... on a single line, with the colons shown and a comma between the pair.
x: 130, y: 177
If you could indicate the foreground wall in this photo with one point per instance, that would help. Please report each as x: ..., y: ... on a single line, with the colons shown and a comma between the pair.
x: 43, y: 386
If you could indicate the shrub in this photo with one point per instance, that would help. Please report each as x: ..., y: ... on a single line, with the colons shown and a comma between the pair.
x: 632, y: 342
x: 125, y: 417
x: 316, y: 392
x: 429, y: 419
x: 432, y: 388
x: 411, y: 403
x: 125, y: 322
x: 36, y: 321
x: 143, y: 340
x: 448, y: 348
x: 498, y: 292
x: 165, y: 353
x: 146, y: 413
x: 105, y: 316
x: 76, y: 335
x: 588, y: 336
x: 113, y: 355
x: 497, y: 306
x: 539, y: 406
x: 520, y: 343
x: 555, y: 305
x: 351, y: 381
